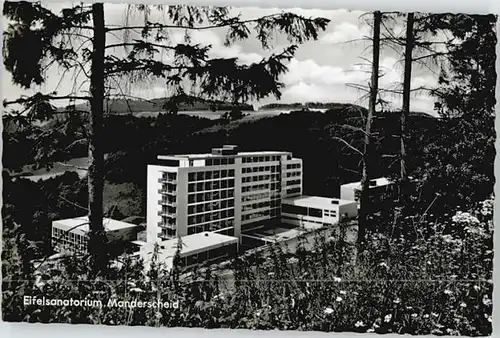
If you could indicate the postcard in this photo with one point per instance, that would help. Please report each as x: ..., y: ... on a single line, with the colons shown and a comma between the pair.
x: 248, y: 168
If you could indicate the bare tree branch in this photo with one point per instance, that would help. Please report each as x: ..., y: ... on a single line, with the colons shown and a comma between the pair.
x: 348, y: 145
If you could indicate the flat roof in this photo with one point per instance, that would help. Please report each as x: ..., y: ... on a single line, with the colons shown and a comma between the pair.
x: 316, y: 201
x: 209, y: 155
x: 382, y: 181
x: 191, y: 244
x: 83, y: 224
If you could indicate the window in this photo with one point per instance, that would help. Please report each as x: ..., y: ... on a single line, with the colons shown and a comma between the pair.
x: 293, y: 209
x: 315, y: 212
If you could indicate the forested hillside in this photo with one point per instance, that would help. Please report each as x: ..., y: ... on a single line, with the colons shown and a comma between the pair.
x: 133, y: 143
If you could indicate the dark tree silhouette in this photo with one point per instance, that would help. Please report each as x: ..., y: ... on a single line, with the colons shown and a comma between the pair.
x: 367, y: 153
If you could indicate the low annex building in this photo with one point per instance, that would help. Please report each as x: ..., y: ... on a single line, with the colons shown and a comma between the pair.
x: 72, y: 234
x: 315, y: 212
x: 378, y: 189
x: 194, y: 249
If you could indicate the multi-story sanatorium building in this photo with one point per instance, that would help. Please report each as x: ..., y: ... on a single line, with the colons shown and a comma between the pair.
x: 225, y: 191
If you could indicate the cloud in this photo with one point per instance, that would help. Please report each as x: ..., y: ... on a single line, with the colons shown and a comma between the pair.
x: 345, y: 32
x: 306, y: 81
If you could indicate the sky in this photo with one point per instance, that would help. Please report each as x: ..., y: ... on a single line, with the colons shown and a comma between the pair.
x: 321, y: 71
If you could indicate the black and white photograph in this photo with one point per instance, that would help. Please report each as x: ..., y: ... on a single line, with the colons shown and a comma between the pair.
x: 248, y: 168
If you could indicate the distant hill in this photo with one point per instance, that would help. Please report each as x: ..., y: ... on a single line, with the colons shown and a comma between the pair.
x: 122, y: 106
x: 332, y: 107
x: 307, y: 105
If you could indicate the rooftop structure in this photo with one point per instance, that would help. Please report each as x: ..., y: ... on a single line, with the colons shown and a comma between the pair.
x: 82, y: 224
x: 317, y: 201
x: 376, y: 182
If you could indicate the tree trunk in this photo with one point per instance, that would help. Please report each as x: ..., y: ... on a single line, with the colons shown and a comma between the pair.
x: 365, y: 180
x: 405, y: 111
x: 97, y: 239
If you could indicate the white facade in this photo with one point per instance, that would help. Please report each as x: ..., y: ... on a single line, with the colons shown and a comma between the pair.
x: 225, y: 191
x: 315, y: 212
x: 350, y: 191
x: 72, y: 234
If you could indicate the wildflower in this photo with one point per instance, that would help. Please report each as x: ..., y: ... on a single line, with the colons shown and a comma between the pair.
x: 486, y: 301
x: 219, y: 296
x: 447, y: 292
x: 359, y: 324
x: 426, y: 316
x: 342, y: 292
x: 463, y: 304
x: 257, y: 313
x: 388, y: 318
x: 328, y: 310
x: 414, y: 315
x: 383, y: 264
x: 336, y: 279
x: 396, y: 301
x: 476, y: 287
x: 293, y: 260
x: 338, y: 299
